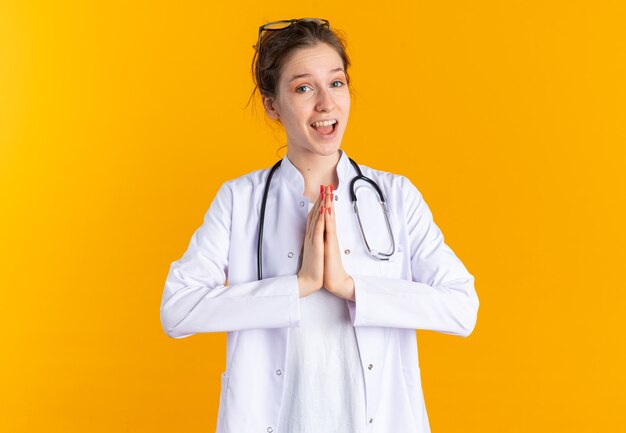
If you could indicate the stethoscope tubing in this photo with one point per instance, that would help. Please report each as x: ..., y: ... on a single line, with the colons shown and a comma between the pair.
x: 359, y: 176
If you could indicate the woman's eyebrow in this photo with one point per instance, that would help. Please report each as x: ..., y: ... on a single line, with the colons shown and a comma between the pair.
x: 332, y: 71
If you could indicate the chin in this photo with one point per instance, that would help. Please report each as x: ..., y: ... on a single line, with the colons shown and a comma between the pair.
x: 327, y: 149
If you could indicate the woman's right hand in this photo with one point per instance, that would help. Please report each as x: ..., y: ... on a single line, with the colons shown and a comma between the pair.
x: 311, y: 274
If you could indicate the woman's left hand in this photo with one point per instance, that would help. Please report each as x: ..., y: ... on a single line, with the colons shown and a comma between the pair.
x: 336, y: 279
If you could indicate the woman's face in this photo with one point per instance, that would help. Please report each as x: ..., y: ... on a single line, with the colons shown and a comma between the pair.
x: 312, y: 87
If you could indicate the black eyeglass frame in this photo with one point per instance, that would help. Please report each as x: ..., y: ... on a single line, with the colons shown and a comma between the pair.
x: 288, y: 23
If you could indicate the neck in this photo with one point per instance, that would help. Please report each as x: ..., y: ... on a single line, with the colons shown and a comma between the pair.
x: 316, y: 170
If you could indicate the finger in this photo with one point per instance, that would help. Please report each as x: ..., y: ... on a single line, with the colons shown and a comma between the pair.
x: 329, y: 226
x: 327, y: 207
x: 331, y: 197
x: 319, y: 223
x: 320, y: 200
x: 313, y: 213
x: 332, y: 204
x: 309, y: 219
x: 330, y: 214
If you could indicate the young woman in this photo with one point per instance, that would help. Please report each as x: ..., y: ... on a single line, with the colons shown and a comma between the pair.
x: 331, y: 266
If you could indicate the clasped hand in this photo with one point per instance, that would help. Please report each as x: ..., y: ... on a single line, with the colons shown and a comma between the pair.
x: 321, y: 259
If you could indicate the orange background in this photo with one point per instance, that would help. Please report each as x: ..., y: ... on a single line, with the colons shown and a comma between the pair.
x: 119, y: 121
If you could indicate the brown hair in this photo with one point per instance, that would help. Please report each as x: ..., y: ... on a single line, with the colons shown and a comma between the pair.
x: 277, y: 45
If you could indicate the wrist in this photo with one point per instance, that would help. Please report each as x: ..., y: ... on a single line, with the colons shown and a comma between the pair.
x: 304, y: 284
x: 350, y: 290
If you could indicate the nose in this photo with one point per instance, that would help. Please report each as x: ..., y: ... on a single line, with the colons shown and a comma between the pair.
x: 325, y: 101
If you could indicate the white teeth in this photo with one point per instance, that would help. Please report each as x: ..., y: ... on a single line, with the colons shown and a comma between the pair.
x: 324, y: 123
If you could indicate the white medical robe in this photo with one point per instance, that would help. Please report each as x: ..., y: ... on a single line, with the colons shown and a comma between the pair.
x: 423, y: 286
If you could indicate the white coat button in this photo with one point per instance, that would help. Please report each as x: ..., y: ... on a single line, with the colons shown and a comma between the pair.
x: 270, y: 430
x: 370, y: 366
x: 346, y: 251
x: 371, y: 420
x: 290, y: 254
x: 278, y: 372
x: 301, y: 204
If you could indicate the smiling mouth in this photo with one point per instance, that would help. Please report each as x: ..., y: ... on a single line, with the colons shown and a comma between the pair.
x: 326, y: 130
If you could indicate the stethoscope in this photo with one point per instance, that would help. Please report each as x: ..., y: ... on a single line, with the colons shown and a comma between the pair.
x: 373, y: 253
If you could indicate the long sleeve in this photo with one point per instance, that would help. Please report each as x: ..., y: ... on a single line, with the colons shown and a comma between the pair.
x: 196, y: 299
x: 441, y: 296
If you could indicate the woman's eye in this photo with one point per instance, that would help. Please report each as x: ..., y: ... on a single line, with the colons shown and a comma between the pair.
x: 336, y: 83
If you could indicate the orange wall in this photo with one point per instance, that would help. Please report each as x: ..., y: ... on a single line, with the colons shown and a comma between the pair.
x: 119, y: 121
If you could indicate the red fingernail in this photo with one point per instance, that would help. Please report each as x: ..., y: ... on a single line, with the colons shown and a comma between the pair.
x: 331, y: 188
x: 321, y: 192
x: 331, y: 195
x: 328, y: 210
x: 322, y: 209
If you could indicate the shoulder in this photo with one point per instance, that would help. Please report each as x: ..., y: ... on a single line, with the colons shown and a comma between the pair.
x: 243, y: 191
x: 247, y: 182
